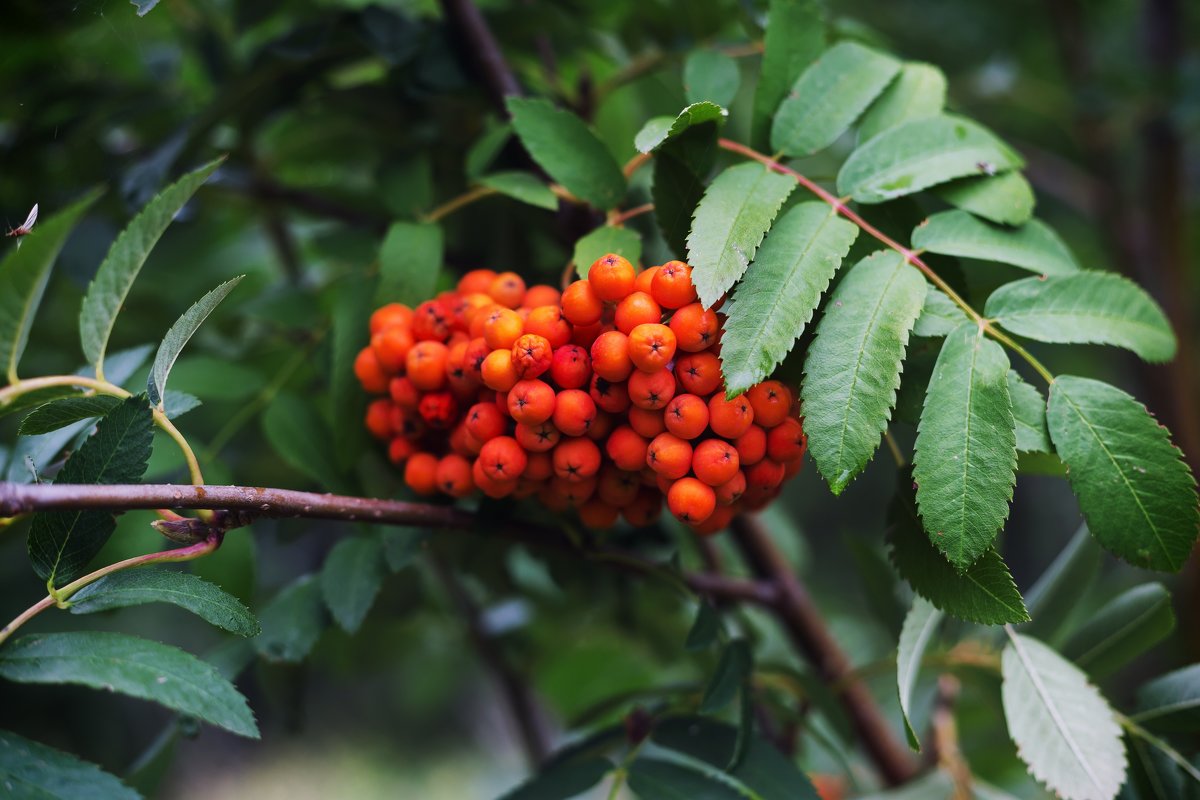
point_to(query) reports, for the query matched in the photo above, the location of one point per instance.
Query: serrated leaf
(921, 153)
(176, 404)
(1123, 629)
(1006, 198)
(853, 366)
(134, 587)
(108, 290)
(660, 129)
(966, 449)
(919, 90)
(351, 578)
(705, 630)
(292, 622)
(733, 669)
(522, 186)
(179, 335)
(33, 771)
(61, 543)
(1135, 491)
(1064, 729)
(563, 145)
(24, 272)
(776, 298)
(37, 397)
(984, 592)
(710, 75)
(795, 36)
(829, 96)
(939, 315)
(604, 240)
(409, 262)
(129, 665)
(562, 781)
(1171, 702)
(402, 545)
(301, 438)
(1055, 594)
(1029, 412)
(919, 626)
(66, 411)
(1033, 246)
(733, 216)
(681, 167)
(1085, 308)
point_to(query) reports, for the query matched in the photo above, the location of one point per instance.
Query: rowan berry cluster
(605, 398)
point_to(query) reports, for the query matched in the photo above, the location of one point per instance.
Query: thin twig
(484, 50)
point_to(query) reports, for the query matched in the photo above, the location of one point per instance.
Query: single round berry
(672, 285)
(503, 459)
(531, 401)
(691, 500)
(686, 416)
(715, 461)
(669, 456)
(729, 418)
(612, 276)
(581, 305)
(771, 401)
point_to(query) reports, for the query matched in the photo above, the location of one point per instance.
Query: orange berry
(597, 514)
(391, 346)
(732, 490)
(763, 477)
(454, 475)
(420, 473)
(715, 461)
(471, 307)
(503, 459)
(610, 356)
(431, 322)
(463, 443)
(771, 401)
(462, 381)
(485, 422)
(729, 418)
(672, 285)
(691, 501)
(539, 468)
(477, 350)
(717, 521)
(647, 422)
(651, 390)
(669, 456)
(786, 441)
(644, 509)
(369, 372)
(574, 412)
(552, 499)
(699, 373)
(581, 305)
(426, 365)
(696, 328)
(406, 423)
(626, 449)
(644, 280)
(538, 438)
(612, 277)
(399, 449)
(571, 367)
(479, 318)
(507, 289)
(542, 295)
(498, 371)
(616, 486)
(476, 281)
(493, 488)
(548, 322)
(379, 418)
(439, 410)
(637, 308)
(651, 346)
(584, 335)
(609, 396)
(686, 416)
(393, 314)
(502, 327)
(601, 426)
(531, 401)
(404, 393)
(576, 459)
(532, 355)
(751, 445)
(575, 493)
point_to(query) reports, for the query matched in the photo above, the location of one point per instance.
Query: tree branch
(466, 19)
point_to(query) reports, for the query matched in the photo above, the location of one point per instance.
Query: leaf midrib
(725, 240)
(1104, 641)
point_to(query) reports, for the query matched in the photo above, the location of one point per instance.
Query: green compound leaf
(710, 75)
(779, 293)
(1064, 729)
(852, 370)
(922, 153)
(1124, 628)
(918, 91)
(66, 411)
(179, 335)
(794, 38)
(939, 316)
(1085, 308)
(32, 771)
(409, 262)
(108, 290)
(919, 626)
(134, 587)
(730, 222)
(521, 186)
(829, 96)
(61, 543)
(563, 145)
(966, 449)
(24, 272)
(604, 240)
(129, 665)
(1006, 198)
(660, 129)
(1135, 490)
(1029, 411)
(1033, 246)
(351, 578)
(1171, 702)
(984, 592)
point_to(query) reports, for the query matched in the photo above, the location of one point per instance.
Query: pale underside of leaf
(179, 335)
(920, 624)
